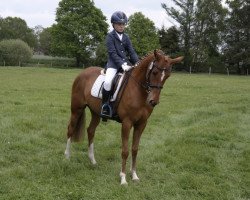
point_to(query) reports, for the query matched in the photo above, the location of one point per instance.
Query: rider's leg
(106, 93)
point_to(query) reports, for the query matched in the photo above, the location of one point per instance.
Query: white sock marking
(91, 154)
(134, 176)
(123, 178)
(67, 150)
(162, 75)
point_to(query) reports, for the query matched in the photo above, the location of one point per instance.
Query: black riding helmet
(119, 17)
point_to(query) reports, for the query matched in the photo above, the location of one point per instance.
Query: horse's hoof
(135, 177)
(124, 182)
(123, 179)
(67, 155)
(93, 162)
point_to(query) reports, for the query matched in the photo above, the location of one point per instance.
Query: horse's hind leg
(71, 126)
(75, 128)
(95, 120)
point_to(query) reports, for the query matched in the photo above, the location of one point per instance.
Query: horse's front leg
(138, 129)
(126, 126)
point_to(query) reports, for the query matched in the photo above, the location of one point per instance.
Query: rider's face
(119, 27)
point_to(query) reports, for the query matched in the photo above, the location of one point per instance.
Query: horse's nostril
(152, 103)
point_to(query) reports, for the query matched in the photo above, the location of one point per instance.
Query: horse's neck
(141, 70)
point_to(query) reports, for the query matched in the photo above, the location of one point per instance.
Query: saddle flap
(96, 90)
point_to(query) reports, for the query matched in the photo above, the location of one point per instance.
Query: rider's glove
(126, 67)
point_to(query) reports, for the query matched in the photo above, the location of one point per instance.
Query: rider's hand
(126, 67)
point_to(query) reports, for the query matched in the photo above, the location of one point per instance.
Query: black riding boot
(106, 111)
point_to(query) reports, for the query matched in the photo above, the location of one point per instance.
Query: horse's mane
(147, 56)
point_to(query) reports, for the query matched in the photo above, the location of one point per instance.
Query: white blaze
(162, 75)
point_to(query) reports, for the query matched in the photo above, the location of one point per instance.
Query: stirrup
(106, 111)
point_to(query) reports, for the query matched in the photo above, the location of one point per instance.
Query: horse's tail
(79, 130)
(76, 126)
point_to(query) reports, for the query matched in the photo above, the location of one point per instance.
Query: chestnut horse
(139, 97)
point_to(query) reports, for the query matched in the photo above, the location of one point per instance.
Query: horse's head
(157, 73)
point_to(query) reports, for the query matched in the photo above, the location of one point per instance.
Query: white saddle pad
(96, 90)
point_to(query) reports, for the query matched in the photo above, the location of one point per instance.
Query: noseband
(148, 85)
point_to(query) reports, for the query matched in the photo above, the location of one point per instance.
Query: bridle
(148, 86)
(151, 67)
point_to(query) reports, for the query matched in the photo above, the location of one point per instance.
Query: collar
(120, 35)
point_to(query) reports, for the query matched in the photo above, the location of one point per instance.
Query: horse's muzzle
(153, 103)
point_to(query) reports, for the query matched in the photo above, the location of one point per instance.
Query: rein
(145, 86)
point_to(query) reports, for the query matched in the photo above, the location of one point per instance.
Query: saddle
(118, 84)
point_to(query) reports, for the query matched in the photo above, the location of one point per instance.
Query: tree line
(209, 33)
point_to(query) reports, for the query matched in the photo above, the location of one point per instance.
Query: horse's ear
(177, 60)
(157, 56)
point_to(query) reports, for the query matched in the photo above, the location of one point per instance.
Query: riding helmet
(119, 17)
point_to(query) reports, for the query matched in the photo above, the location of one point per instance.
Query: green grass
(196, 144)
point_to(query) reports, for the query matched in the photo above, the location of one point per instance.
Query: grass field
(196, 144)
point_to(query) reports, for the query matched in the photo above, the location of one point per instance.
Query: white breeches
(110, 74)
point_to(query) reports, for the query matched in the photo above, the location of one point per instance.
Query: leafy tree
(79, 30)
(144, 38)
(169, 40)
(207, 29)
(14, 52)
(184, 15)
(37, 31)
(101, 54)
(237, 35)
(45, 40)
(16, 28)
(201, 24)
